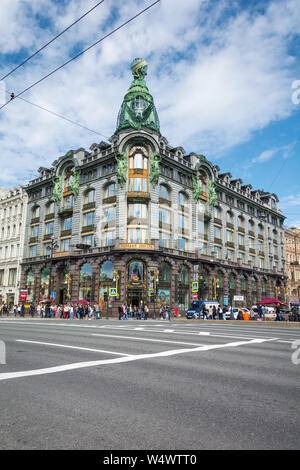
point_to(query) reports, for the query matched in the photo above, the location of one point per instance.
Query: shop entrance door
(135, 297)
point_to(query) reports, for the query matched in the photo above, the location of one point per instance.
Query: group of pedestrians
(136, 311)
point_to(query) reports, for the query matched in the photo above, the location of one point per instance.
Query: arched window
(45, 280)
(89, 196)
(183, 288)
(30, 283)
(136, 272)
(138, 169)
(232, 282)
(85, 282)
(68, 176)
(106, 279)
(164, 284)
(243, 283)
(183, 200)
(164, 192)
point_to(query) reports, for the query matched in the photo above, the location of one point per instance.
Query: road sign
(150, 292)
(225, 301)
(195, 296)
(113, 292)
(53, 295)
(238, 298)
(195, 286)
(23, 295)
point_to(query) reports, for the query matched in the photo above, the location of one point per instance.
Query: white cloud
(215, 78)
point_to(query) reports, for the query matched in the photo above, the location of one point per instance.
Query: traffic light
(105, 297)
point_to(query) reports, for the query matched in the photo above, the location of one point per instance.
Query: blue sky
(221, 74)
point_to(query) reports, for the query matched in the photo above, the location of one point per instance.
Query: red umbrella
(271, 301)
(47, 301)
(83, 301)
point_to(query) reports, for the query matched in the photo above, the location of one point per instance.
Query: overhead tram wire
(52, 40)
(81, 53)
(60, 116)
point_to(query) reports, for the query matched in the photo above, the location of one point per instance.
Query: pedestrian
(225, 310)
(39, 309)
(120, 312)
(277, 311)
(161, 313)
(205, 312)
(146, 312)
(15, 310)
(246, 315)
(22, 312)
(220, 312)
(125, 312)
(259, 311)
(214, 312)
(176, 312)
(31, 310)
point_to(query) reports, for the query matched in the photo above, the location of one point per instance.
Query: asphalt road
(148, 385)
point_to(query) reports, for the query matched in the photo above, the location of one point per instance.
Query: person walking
(277, 311)
(120, 312)
(176, 312)
(22, 312)
(31, 310)
(225, 310)
(39, 309)
(146, 312)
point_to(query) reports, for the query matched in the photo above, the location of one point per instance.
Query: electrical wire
(58, 115)
(52, 40)
(81, 53)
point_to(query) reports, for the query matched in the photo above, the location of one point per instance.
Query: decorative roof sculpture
(138, 107)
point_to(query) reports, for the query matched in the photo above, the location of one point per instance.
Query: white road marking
(146, 339)
(119, 360)
(71, 347)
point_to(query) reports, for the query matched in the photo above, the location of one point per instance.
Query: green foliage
(57, 189)
(122, 169)
(197, 189)
(154, 168)
(75, 184)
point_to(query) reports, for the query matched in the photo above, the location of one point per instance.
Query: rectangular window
(218, 251)
(203, 248)
(12, 277)
(230, 255)
(34, 232)
(218, 232)
(67, 223)
(110, 214)
(32, 251)
(242, 257)
(65, 244)
(88, 218)
(1, 277)
(165, 239)
(49, 228)
(88, 240)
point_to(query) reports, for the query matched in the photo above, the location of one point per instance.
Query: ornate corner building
(146, 219)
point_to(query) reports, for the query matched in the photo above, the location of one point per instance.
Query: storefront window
(45, 279)
(85, 284)
(30, 282)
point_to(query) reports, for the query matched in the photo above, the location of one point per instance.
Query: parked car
(235, 312)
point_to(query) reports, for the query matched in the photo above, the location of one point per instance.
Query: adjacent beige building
(292, 250)
(13, 206)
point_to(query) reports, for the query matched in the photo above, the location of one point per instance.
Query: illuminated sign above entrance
(135, 246)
